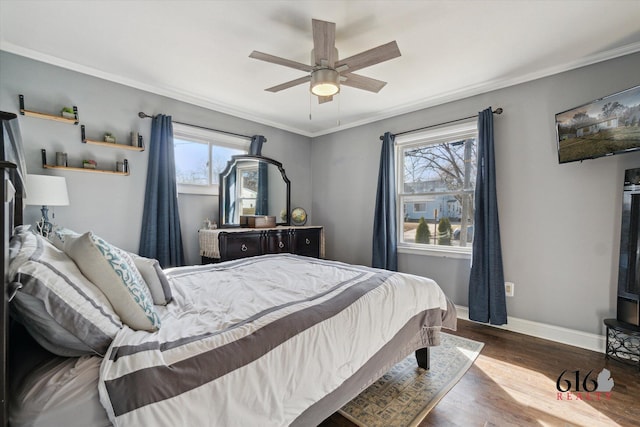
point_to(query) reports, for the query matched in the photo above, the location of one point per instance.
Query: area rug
(404, 396)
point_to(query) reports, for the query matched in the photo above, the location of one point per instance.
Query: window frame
(448, 133)
(211, 138)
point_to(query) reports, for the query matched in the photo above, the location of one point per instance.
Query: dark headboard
(11, 215)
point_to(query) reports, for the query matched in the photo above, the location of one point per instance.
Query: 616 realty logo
(573, 385)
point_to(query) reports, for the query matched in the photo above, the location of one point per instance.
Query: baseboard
(549, 332)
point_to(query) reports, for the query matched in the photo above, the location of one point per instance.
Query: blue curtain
(161, 237)
(230, 200)
(262, 198)
(385, 239)
(486, 284)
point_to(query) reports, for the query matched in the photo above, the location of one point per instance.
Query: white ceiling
(198, 51)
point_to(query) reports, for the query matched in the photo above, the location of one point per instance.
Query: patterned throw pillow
(114, 272)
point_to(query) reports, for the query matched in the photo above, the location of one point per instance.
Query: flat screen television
(603, 127)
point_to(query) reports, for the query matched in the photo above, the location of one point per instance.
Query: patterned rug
(405, 395)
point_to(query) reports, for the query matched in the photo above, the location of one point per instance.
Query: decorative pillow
(113, 271)
(154, 277)
(59, 234)
(66, 313)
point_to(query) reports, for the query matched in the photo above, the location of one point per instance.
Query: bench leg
(422, 356)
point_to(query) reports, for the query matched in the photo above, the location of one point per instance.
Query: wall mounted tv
(603, 127)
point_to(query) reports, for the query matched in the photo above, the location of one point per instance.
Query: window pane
(440, 167)
(191, 162)
(437, 193)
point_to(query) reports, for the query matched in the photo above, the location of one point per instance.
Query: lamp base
(44, 227)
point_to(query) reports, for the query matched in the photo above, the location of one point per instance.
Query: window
(436, 173)
(201, 155)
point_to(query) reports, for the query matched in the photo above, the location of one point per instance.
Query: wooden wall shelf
(69, 168)
(112, 145)
(43, 152)
(48, 116)
(86, 140)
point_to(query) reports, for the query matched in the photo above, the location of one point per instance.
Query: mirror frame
(222, 187)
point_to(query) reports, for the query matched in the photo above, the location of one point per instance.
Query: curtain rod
(147, 116)
(498, 110)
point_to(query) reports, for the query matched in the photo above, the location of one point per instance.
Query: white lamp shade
(46, 190)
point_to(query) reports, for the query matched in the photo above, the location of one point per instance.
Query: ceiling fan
(327, 72)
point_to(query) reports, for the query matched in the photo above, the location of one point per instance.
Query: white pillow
(113, 271)
(66, 313)
(154, 277)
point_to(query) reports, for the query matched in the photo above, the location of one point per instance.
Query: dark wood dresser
(234, 243)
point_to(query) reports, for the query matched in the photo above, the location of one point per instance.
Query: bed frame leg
(422, 356)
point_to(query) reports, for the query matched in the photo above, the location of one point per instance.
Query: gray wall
(560, 224)
(112, 206)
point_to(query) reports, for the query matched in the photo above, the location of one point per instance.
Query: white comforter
(255, 342)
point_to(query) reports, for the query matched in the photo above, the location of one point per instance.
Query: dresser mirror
(253, 185)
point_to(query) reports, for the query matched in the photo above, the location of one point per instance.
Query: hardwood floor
(513, 383)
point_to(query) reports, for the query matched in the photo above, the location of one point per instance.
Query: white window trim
(429, 137)
(207, 136)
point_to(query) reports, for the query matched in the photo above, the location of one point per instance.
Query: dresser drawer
(240, 245)
(307, 242)
(278, 241)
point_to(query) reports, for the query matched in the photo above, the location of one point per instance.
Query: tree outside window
(436, 181)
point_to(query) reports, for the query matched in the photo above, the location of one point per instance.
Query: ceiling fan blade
(362, 82)
(324, 40)
(289, 84)
(323, 99)
(280, 61)
(370, 57)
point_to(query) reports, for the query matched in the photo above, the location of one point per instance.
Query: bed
(272, 340)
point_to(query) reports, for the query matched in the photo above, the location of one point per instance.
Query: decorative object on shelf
(46, 190)
(298, 216)
(283, 215)
(61, 159)
(108, 137)
(89, 164)
(206, 224)
(120, 167)
(68, 113)
(72, 119)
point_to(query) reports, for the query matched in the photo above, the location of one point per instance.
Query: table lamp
(46, 190)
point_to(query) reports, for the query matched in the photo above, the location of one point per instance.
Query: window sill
(435, 251)
(204, 190)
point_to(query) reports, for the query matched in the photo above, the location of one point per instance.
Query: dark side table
(623, 342)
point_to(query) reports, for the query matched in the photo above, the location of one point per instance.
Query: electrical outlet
(508, 288)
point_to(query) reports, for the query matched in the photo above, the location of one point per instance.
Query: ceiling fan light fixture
(325, 82)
